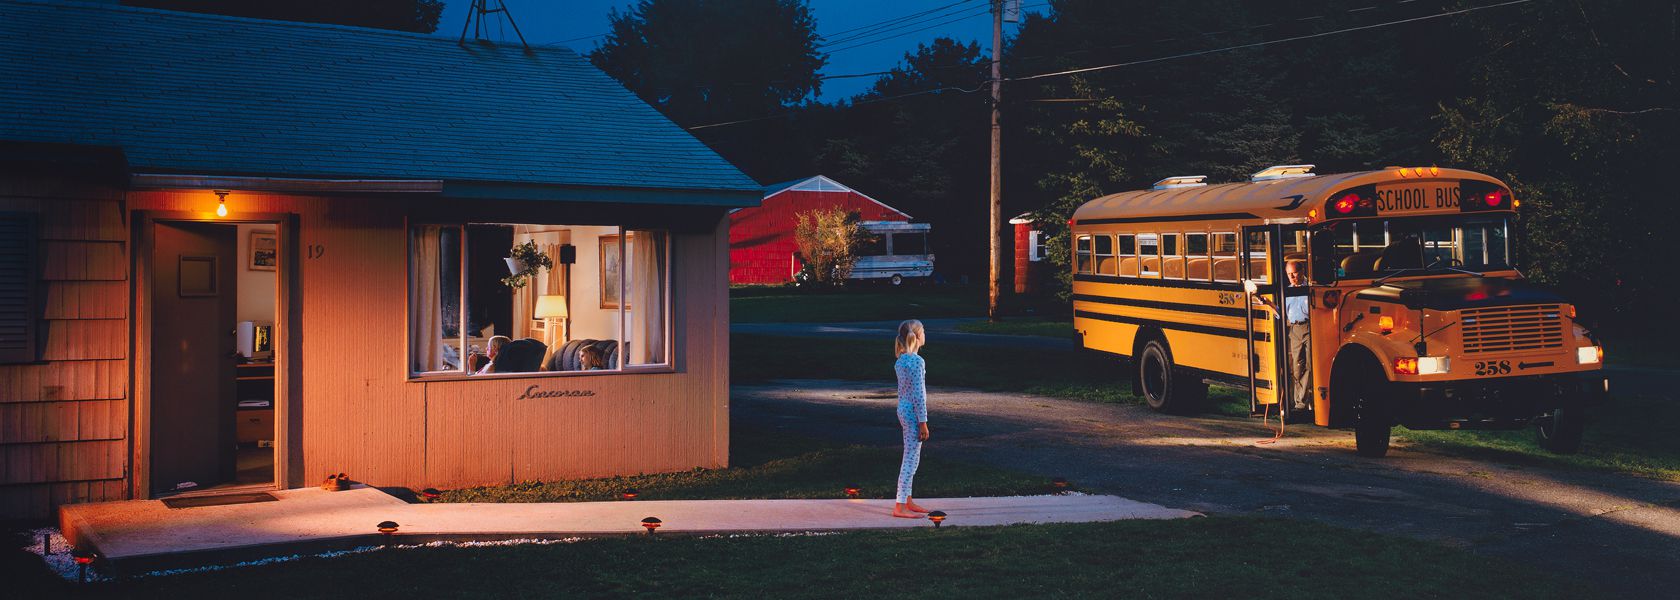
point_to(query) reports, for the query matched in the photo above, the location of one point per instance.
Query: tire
(1162, 385)
(897, 280)
(1560, 432)
(1373, 424)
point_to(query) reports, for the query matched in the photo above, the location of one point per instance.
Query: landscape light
(83, 559)
(629, 494)
(1060, 483)
(430, 494)
(651, 523)
(852, 491)
(937, 517)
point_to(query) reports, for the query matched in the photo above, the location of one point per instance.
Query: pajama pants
(912, 456)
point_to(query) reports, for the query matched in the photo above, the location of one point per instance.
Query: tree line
(1574, 103)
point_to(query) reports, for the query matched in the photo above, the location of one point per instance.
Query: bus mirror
(1249, 286)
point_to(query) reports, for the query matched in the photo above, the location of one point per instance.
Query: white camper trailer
(896, 251)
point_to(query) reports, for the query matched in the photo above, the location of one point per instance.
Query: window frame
(1083, 264)
(1097, 255)
(1120, 243)
(622, 368)
(1214, 255)
(1207, 253)
(1035, 246)
(1178, 253)
(1142, 272)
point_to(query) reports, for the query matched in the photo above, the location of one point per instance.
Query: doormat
(197, 501)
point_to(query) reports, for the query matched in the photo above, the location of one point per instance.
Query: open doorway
(212, 293)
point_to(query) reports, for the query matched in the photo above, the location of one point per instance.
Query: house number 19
(316, 250)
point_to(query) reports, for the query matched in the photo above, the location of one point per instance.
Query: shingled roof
(183, 93)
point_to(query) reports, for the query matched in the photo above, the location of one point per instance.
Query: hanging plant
(524, 262)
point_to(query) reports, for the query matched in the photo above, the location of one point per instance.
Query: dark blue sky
(557, 21)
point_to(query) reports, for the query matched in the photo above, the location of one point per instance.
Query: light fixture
(221, 203)
(1060, 483)
(551, 309)
(387, 528)
(83, 559)
(853, 490)
(937, 517)
(629, 494)
(651, 523)
(430, 494)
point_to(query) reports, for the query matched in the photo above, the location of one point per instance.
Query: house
(1029, 264)
(762, 249)
(246, 254)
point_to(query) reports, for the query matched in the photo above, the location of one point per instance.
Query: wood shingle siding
(64, 418)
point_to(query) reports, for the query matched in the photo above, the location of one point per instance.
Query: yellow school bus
(1406, 310)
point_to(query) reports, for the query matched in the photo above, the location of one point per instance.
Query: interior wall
(257, 289)
(588, 319)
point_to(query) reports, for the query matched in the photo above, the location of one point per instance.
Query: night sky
(563, 21)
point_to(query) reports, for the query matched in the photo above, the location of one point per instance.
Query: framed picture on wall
(610, 268)
(265, 251)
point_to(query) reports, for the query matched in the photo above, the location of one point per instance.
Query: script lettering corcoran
(534, 393)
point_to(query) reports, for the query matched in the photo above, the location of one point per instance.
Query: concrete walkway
(139, 536)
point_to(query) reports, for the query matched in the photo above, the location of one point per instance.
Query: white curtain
(647, 297)
(424, 294)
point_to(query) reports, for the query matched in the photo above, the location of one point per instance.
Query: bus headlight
(1433, 365)
(1589, 355)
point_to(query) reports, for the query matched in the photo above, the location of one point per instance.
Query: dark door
(193, 311)
(1268, 372)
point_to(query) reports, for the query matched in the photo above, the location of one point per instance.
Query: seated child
(493, 348)
(591, 359)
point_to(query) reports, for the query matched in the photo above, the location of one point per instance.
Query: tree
(829, 240)
(418, 16)
(706, 61)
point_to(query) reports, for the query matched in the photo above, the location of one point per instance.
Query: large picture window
(603, 305)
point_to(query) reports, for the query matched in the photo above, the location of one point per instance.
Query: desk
(253, 383)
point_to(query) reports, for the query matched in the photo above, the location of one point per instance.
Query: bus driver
(1295, 317)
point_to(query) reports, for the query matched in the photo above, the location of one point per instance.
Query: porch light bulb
(221, 203)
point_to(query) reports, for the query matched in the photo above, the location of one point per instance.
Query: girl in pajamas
(912, 410)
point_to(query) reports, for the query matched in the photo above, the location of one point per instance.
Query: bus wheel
(1560, 432)
(897, 280)
(1162, 386)
(1373, 424)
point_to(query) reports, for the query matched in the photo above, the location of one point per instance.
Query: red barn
(761, 245)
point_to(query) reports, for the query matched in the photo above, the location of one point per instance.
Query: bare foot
(905, 514)
(915, 507)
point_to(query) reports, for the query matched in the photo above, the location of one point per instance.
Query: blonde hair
(910, 337)
(495, 344)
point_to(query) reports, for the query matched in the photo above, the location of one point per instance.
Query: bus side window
(1149, 255)
(1196, 267)
(1324, 264)
(1103, 249)
(1082, 254)
(1259, 263)
(1225, 257)
(1172, 263)
(1128, 255)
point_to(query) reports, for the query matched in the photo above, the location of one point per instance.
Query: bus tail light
(1494, 198)
(1589, 355)
(1347, 203)
(1386, 324)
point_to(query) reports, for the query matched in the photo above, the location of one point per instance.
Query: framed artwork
(611, 265)
(265, 251)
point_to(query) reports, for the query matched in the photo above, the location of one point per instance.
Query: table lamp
(552, 309)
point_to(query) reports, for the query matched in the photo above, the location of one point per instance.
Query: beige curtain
(425, 340)
(647, 297)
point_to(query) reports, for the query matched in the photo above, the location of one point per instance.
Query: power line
(841, 36)
(1266, 43)
(941, 13)
(1136, 62)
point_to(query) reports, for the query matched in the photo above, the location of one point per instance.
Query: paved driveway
(1623, 533)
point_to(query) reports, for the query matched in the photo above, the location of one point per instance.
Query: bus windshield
(1376, 247)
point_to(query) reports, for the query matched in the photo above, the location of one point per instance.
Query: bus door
(1260, 262)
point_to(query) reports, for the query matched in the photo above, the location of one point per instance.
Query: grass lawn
(1039, 326)
(1058, 373)
(767, 464)
(862, 303)
(1190, 558)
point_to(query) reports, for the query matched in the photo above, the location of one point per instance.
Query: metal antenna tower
(476, 16)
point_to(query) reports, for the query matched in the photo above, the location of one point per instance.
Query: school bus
(1407, 302)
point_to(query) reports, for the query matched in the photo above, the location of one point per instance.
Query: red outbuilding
(761, 244)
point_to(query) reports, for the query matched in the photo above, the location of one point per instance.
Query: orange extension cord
(1264, 416)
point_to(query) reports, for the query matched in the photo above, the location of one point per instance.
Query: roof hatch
(1283, 172)
(1180, 181)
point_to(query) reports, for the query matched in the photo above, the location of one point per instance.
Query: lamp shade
(550, 307)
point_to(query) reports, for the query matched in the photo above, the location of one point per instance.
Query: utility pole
(993, 229)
